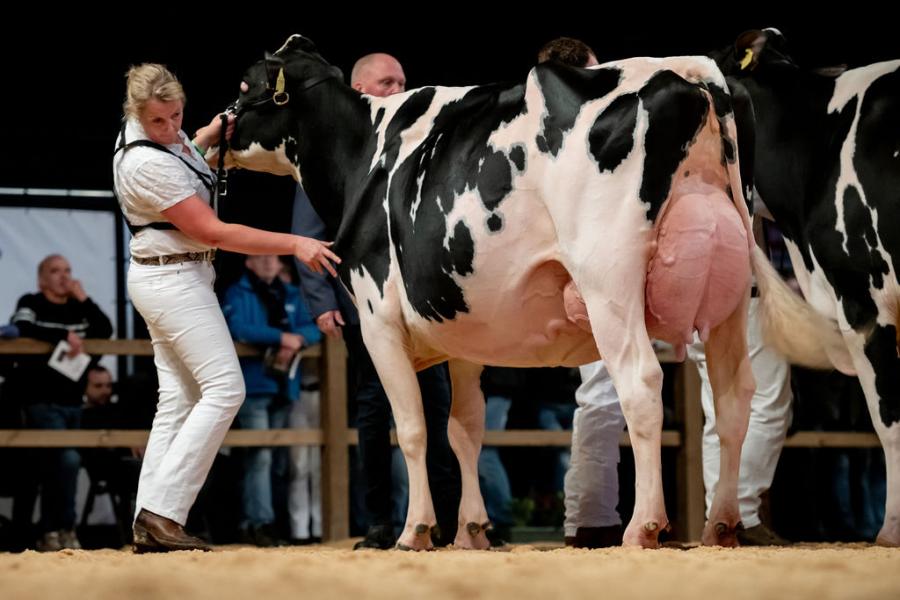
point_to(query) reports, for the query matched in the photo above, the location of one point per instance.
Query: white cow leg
(466, 432)
(629, 357)
(386, 347)
(641, 398)
(731, 378)
(889, 436)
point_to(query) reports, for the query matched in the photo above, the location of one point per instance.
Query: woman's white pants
(200, 382)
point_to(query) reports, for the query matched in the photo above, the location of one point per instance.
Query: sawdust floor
(521, 573)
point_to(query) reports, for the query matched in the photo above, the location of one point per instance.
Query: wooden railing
(336, 438)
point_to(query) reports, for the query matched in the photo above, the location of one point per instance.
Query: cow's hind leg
(618, 326)
(466, 431)
(386, 346)
(878, 367)
(732, 382)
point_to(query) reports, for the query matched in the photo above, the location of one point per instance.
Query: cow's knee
(412, 439)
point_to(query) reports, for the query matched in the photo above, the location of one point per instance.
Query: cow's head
(274, 93)
(755, 50)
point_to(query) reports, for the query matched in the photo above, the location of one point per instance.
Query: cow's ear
(747, 48)
(297, 42)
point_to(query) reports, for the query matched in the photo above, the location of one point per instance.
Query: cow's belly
(515, 297)
(520, 321)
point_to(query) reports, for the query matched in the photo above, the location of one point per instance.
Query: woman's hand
(208, 136)
(316, 254)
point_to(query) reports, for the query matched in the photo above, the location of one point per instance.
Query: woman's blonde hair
(150, 81)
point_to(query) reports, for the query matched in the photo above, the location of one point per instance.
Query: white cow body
(469, 219)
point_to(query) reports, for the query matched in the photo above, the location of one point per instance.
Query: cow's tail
(793, 327)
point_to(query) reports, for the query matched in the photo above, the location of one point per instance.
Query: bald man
(381, 75)
(378, 74)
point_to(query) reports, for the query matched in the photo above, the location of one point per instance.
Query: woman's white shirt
(148, 181)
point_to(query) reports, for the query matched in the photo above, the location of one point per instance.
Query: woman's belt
(171, 259)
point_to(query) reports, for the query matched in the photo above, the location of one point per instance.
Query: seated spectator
(118, 469)
(60, 311)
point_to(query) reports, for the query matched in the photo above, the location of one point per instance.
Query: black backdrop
(63, 80)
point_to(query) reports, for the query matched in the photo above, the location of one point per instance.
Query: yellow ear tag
(748, 58)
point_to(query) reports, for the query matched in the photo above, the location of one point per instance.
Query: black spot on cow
(517, 156)
(877, 156)
(292, 150)
(363, 227)
(565, 91)
(494, 179)
(745, 123)
(881, 350)
(412, 109)
(460, 129)
(612, 135)
(379, 117)
(369, 304)
(676, 112)
(862, 264)
(462, 251)
(721, 99)
(861, 239)
(843, 269)
(494, 222)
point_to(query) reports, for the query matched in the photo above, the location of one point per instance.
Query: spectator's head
(155, 97)
(378, 74)
(266, 267)
(568, 51)
(54, 275)
(98, 389)
(286, 274)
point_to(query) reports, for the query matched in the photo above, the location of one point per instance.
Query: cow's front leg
(466, 430)
(731, 378)
(880, 381)
(618, 327)
(386, 345)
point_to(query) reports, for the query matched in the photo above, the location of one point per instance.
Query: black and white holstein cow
(526, 225)
(827, 167)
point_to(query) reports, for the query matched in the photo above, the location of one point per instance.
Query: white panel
(85, 237)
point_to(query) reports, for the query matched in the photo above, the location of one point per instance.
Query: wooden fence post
(335, 454)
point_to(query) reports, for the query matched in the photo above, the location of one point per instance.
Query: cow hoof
(722, 534)
(644, 536)
(474, 528)
(404, 548)
(473, 536)
(419, 540)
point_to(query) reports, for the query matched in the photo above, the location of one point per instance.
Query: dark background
(64, 80)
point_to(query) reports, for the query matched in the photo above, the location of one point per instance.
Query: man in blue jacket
(263, 310)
